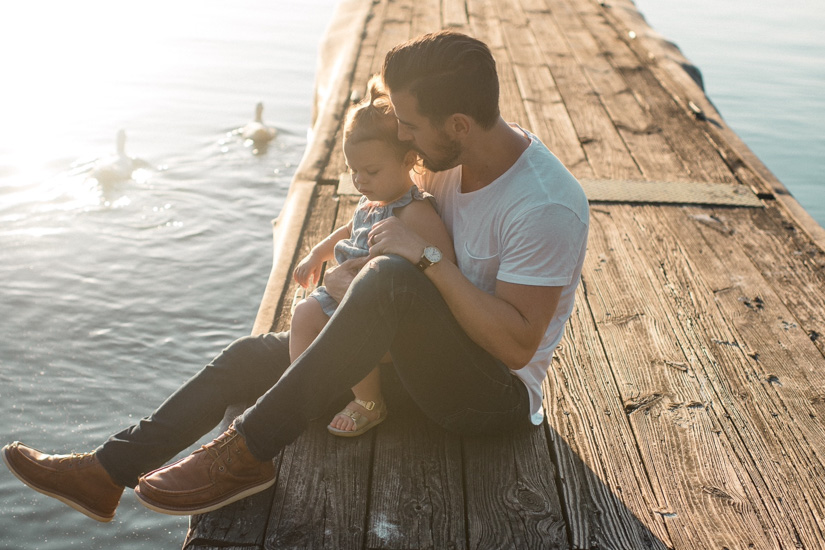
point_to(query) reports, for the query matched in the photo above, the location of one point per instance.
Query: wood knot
(642, 402)
(529, 499)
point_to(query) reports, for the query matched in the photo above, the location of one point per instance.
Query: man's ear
(458, 124)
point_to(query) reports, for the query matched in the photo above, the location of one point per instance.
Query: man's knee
(391, 275)
(389, 266)
(255, 352)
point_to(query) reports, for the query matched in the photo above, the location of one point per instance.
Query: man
(470, 343)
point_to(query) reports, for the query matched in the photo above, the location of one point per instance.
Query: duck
(118, 167)
(256, 131)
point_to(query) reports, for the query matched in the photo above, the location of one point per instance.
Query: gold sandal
(362, 423)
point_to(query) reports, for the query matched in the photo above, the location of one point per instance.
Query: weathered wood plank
(669, 65)
(396, 29)
(416, 497)
(336, 163)
(686, 93)
(426, 17)
(764, 372)
(641, 134)
(606, 153)
(792, 265)
(320, 498)
(485, 26)
(338, 57)
(678, 126)
(340, 214)
(333, 490)
(454, 15)
(608, 499)
(738, 384)
(242, 523)
(346, 208)
(529, 92)
(518, 506)
(712, 502)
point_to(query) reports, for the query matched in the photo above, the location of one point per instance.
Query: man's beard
(449, 151)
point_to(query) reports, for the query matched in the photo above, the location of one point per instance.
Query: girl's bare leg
(308, 320)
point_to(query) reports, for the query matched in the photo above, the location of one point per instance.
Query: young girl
(380, 165)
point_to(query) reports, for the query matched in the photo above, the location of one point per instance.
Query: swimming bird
(118, 167)
(256, 131)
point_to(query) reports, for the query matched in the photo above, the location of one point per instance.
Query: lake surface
(113, 294)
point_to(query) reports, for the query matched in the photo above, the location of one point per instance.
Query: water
(114, 294)
(763, 65)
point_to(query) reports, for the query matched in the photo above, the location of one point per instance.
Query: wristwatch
(431, 255)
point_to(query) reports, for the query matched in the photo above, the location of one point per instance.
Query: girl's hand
(392, 236)
(338, 279)
(308, 271)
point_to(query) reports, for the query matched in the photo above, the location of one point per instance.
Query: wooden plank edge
(286, 236)
(350, 16)
(672, 61)
(346, 30)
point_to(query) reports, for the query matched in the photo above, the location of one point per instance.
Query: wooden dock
(686, 403)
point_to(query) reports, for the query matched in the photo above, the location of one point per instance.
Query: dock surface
(686, 402)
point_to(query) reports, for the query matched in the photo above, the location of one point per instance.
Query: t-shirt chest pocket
(479, 262)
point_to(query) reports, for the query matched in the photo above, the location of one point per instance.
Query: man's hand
(338, 279)
(393, 236)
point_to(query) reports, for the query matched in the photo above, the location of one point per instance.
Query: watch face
(432, 254)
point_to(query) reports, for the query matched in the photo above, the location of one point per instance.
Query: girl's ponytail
(373, 118)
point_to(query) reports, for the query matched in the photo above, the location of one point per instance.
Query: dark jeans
(391, 306)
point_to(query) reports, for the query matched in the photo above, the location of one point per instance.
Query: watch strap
(423, 263)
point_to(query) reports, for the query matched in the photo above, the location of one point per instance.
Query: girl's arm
(308, 270)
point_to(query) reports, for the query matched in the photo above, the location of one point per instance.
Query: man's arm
(419, 216)
(509, 324)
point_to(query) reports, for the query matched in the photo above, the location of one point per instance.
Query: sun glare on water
(73, 74)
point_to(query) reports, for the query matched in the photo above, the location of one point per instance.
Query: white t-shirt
(527, 227)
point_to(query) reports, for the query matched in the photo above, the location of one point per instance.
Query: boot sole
(64, 499)
(206, 507)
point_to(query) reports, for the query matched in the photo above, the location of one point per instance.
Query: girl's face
(376, 171)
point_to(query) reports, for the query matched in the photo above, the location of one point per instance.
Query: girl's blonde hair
(373, 118)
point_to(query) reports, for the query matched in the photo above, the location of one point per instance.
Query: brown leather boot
(78, 480)
(217, 474)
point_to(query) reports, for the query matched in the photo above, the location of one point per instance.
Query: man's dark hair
(447, 72)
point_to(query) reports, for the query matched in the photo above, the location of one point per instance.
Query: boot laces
(215, 448)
